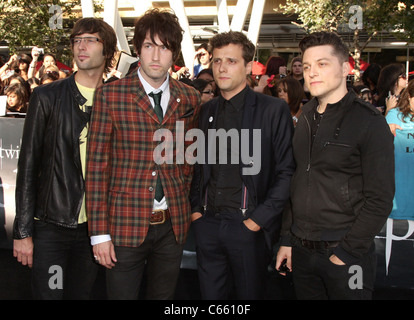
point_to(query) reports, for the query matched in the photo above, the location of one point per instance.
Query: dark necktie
(159, 192)
(157, 104)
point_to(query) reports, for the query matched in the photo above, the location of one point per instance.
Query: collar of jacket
(80, 99)
(249, 107)
(345, 102)
(143, 101)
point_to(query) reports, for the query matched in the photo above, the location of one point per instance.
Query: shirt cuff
(99, 239)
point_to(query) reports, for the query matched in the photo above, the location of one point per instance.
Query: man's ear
(346, 68)
(249, 67)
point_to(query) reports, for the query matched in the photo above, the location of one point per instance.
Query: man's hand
(195, 216)
(284, 253)
(23, 251)
(104, 254)
(251, 225)
(335, 260)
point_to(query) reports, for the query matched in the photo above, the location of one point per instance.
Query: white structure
(112, 17)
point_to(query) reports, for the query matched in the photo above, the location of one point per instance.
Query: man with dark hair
(101, 29)
(50, 228)
(138, 206)
(202, 60)
(237, 206)
(342, 190)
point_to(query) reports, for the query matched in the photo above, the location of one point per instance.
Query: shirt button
(154, 173)
(151, 189)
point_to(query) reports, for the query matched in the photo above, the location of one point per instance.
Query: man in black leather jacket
(342, 190)
(50, 229)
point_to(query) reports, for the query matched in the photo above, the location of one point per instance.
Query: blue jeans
(316, 277)
(63, 263)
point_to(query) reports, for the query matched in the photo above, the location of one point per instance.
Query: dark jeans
(231, 258)
(63, 264)
(316, 277)
(159, 253)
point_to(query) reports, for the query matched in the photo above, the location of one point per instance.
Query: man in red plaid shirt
(138, 209)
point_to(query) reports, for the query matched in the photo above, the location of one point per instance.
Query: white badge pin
(210, 119)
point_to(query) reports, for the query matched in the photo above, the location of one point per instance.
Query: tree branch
(373, 34)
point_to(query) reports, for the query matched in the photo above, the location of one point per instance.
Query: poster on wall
(10, 140)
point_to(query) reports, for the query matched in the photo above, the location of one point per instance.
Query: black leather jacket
(50, 184)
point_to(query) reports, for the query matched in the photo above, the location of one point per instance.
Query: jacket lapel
(174, 102)
(210, 122)
(249, 116)
(141, 99)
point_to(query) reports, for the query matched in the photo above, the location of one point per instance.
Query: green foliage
(29, 23)
(316, 15)
(403, 20)
(393, 16)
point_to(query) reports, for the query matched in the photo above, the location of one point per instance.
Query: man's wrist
(100, 238)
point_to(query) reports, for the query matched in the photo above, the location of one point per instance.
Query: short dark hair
(326, 38)
(234, 37)
(165, 25)
(106, 34)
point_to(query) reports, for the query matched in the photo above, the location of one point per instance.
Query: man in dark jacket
(50, 229)
(343, 187)
(238, 207)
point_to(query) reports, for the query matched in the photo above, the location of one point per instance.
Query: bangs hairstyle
(163, 24)
(326, 38)
(106, 34)
(234, 37)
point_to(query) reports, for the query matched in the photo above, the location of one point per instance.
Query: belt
(159, 216)
(310, 244)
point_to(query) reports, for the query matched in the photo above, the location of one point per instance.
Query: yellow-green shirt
(88, 94)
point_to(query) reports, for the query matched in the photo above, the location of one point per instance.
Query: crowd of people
(22, 73)
(380, 86)
(91, 191)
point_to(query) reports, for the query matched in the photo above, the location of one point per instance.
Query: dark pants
(159, 253)
(230, 257)
(63, 264)
(316, 277)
